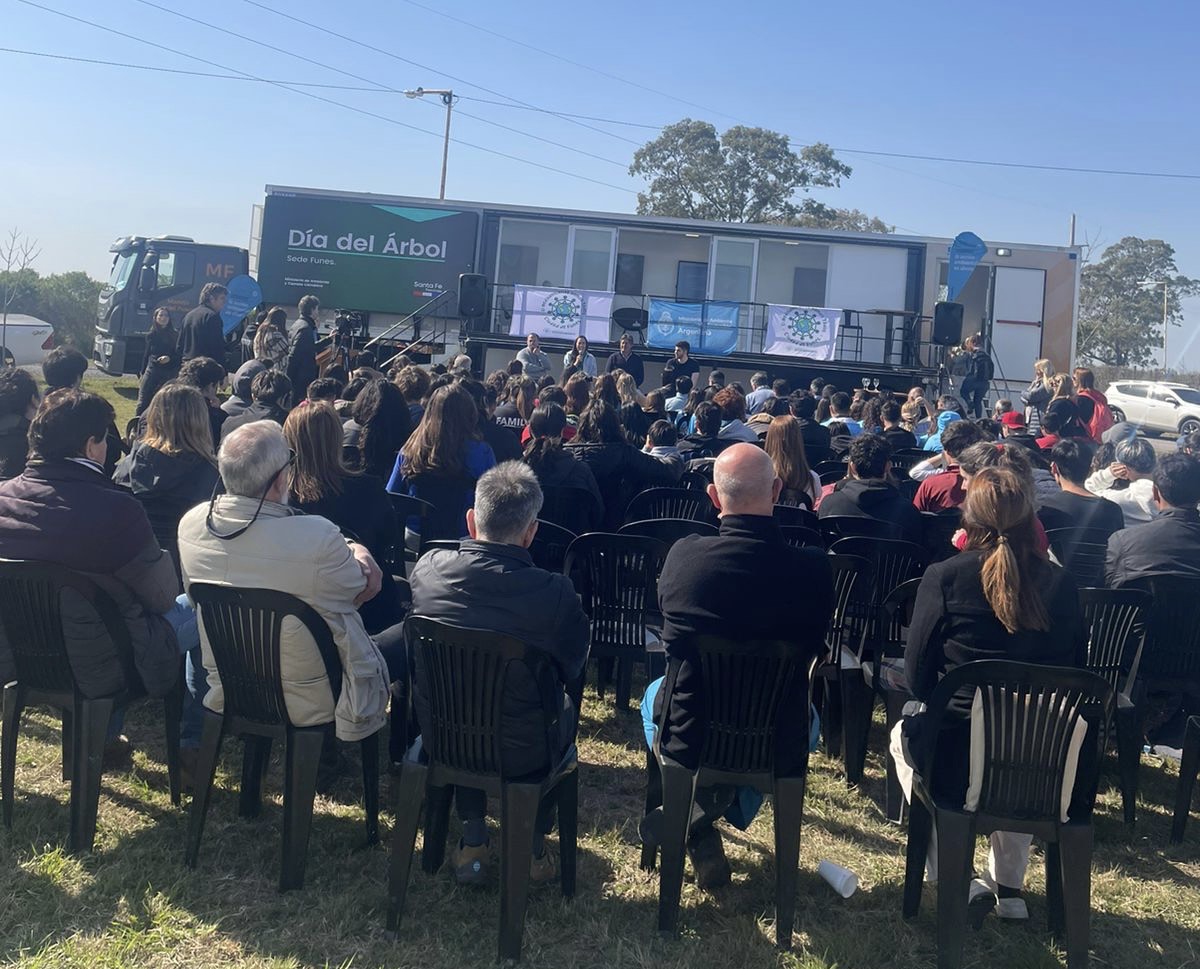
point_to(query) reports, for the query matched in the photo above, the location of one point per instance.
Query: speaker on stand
(947, 332)
(472, 295)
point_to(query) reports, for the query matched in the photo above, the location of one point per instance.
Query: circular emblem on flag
(563, 311)
(802, 326)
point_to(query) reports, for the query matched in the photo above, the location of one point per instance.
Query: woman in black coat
(620, 469)
(572, 498)
(356, 503)
(160, 362)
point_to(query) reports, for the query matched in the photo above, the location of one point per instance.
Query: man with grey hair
(249, 538)
(745, 583)
(490, 582)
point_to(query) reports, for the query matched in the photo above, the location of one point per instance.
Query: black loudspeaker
(472, 296)
(947, 324)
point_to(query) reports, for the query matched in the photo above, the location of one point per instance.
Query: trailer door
(1018, 301)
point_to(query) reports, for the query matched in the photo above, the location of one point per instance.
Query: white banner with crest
(561, 314)
(802, 331)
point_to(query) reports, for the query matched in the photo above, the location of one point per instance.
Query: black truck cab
(166, 271)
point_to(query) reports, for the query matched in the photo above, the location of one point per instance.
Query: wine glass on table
(875, 383)
(866, 382)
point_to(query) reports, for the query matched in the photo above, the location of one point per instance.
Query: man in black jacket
(491, 583)
(706, 586)
(1170, 544)
(272, 394)
(804, 409)
(202, 333)
(302, 344)
(867, 491)
(626, 359)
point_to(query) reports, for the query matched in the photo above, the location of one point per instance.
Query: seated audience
(784, 445)
(63, 510)
(206, 375)
(576, 389)
(535, 362)
(1128, 481)
(839, 412)
(604, 388)
(250, 538)
(378, 427)
(704, 589)
(504, 444)
(1013, 430)
(706, 442)
(323, 390)
(760, 423)
(556, 469)
(1000, 408)
(414, 384)
(1074, 506)
(1169, 545)
(898, 437)
(63, 369)
(520, 396)
(19, 399)
(944, 490)
(632, 412)
(662, 442)
(490, 582)
(934, 442)
(1052, 430)
(867, 490)
(271, 392)
(356, 503)
(804, 409)
(620, 469)
(683, 387)
(760, 393)
(242, 395)
(997, 599)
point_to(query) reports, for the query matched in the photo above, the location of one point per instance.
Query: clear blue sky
(95, 152)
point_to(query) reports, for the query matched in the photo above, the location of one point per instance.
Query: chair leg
(831, 718)
(1075, 849)
(624, 683)
(679, 790)
(369, 751)
(91, 727)
(8, 747)
(568, 832)
(1055, 915)
(1189, 767)
(68, 746)
(653, 800)
(206, 768)
(172, 715)
(518, 814)
(920, 833)
(301, 760)
(894, 803)
(789, 815)
(1129, 756)
(404, 837)
(857, 704)
(256, 754)
(437, 826)
(956, 848)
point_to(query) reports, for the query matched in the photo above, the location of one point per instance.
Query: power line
(1029, 165)
(424, 67)
(316, 97)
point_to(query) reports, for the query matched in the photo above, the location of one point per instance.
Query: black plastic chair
(800, 536)
(447, 495)
(939, 528)
(908, 488)
(1189, 769)
(670, 503)
(786, 515)
(575, 509)
(816, 454)
(1171, 662)
(1117, 622)
(616, 577)
(836, 527)
(464, 672)
(164, 515)
(832, 475)
(893, 563)
(1069, 536)
(1029, 715)
(668, 530)
(905, 459)
(407, 508)
(549, 547)
(695, 481)
(31, 595)
(243, 628)
(852, 580)
(745, 683)
(1084, 560)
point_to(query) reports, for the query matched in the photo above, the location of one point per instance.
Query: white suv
(1156, 407)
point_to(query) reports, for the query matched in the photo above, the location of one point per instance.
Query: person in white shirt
(1133, 461)
(535, 362)
(683, 387)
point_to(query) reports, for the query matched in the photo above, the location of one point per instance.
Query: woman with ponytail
(999, 598)
(555, 469)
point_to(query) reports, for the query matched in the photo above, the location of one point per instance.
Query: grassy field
(121, 392)
(133, 903)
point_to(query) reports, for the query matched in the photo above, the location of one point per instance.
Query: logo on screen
(803, 326)
(563, 311)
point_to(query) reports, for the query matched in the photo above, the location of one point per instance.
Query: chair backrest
(243, 628)
(408, 507)
(616, 577)
(164, 515)
(905, 459)
(939, 528)
(463, 673)
(668, 530)
(894, 617)
(670, 503)
(852, 580)
(1029, 717)
(1117, 620)
(446, 495)
(1084, 560)
(795, 515)
(908, 487)
(817, 453)
(550, 544)
(893, 562)
(1173, 647)
(31, 614)
(695, 481)
(744, 683)
(800, 536)
(833, 474)
(1069, 536)
(836, 527)
(575, 509)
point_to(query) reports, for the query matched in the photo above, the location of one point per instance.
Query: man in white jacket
(249, 538)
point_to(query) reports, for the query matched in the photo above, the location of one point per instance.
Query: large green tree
(67, 300)
(1121, 318)
(743, 175)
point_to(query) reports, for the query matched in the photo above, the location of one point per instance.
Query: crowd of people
(284, 484)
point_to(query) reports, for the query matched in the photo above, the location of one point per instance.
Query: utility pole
(447, 97)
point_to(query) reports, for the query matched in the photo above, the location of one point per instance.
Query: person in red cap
(1014, 430)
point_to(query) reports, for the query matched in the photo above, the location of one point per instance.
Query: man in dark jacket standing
(63, 510)
(1170, 544)
(202, 333)
(491, 583)
(866, 492)
(302, 344)
(704, 589)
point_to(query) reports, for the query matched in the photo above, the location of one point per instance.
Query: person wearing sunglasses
(251, 538)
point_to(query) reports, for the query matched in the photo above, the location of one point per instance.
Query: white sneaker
(1012, 908)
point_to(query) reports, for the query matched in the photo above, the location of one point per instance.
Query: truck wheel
(1118, 415)
(1189, 425)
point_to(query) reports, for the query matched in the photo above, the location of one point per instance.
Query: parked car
(25, 341)
(1159, 408)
